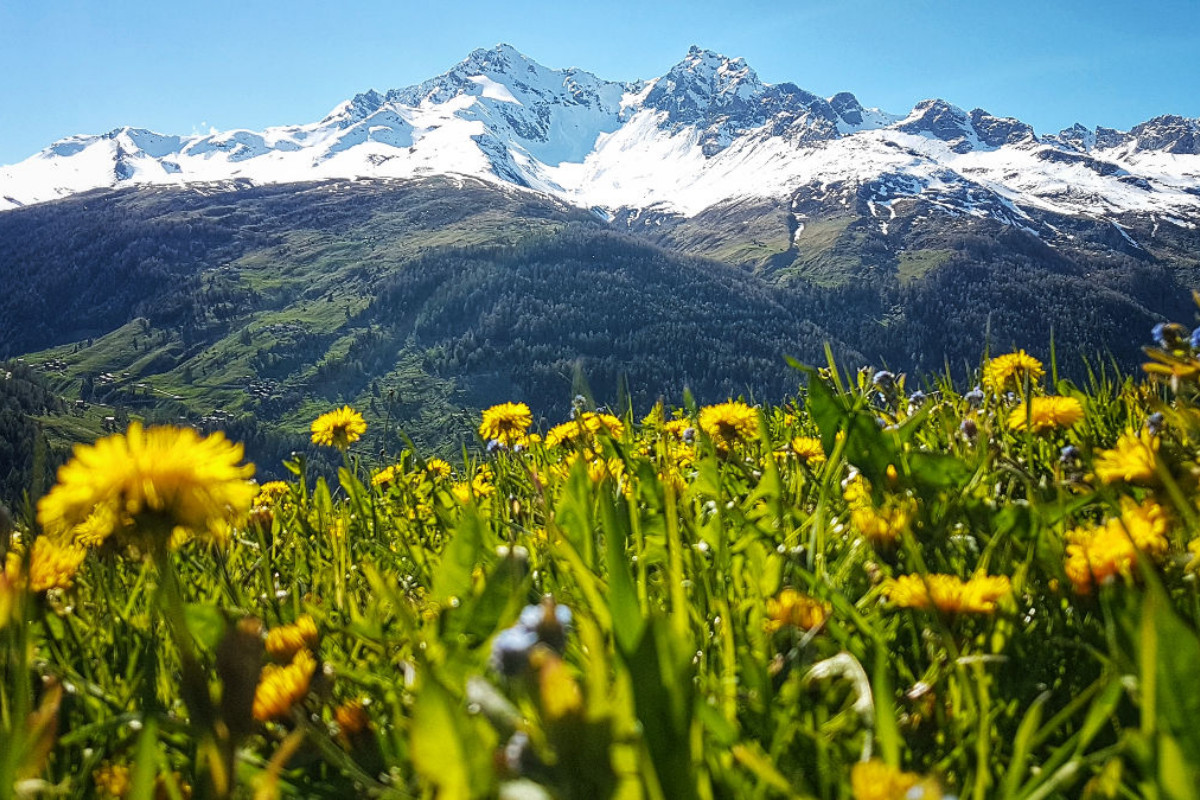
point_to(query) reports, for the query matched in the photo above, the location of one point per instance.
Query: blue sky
(88, 66)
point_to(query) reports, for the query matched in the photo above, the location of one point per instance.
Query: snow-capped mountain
(708, 132)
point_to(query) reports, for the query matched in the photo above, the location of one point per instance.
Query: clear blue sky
(88, 66)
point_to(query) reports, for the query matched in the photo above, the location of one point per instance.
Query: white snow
(499, 116)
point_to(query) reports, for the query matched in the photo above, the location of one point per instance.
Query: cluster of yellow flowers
(791, 608)
(882, 525)
(1100, 554)
(948, 594)
(284, 684)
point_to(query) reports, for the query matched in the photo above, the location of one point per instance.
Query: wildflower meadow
(883, 588)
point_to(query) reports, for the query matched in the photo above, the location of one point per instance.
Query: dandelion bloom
(95, 529)
(875, 780)
(1131, 461)
(112, 780)
(384, 477)
(352, 719)
(271, 492)
(51, 565)
(564, 433)
(881, 525)
(595, 423)
(1046, 413)
(1147, 524)
(676, 427)
(506, 423)
(795, 609)
(948, 593)
(587, 426)
(158, 480)
(808, 450)
(339, 428)
(281, 687)
(285, 641)
(1011, 370)
(729, 423)
(438, 468)
(8, 599)
(1098, 555)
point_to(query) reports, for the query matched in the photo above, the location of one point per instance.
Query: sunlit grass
(868, 591)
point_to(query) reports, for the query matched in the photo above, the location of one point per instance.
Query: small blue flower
(1159, 333)
(1069, 454)
(883, 379)
(1195, 340)
(1154, 423)
(917, 399)
(494, 446)
(974, 397)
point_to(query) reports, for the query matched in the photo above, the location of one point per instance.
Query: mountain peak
(705, 86)
(499, 59)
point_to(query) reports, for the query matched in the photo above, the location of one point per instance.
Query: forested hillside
(250, 308)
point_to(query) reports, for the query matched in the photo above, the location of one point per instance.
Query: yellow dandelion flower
(150, 481)
(1147, 524)
(480, 486)
(384, 477)
(1010, 371)
(875, 780)
(352, 720)
(607, 423)
(808, 450)
(351, 717)
(676, 427)
(797, 610)
(882, 525)
(95, 529)
(948, 594)
(564, 433)
(112, 781)
(506, 423)
(438, 468)
(1131, 461)
(1046, 413)
(271, 493)
(729, 423)
(281, 687)
(1100, 554)
(8, 599)
(51, 566)
(285, 641)
(339, 428)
